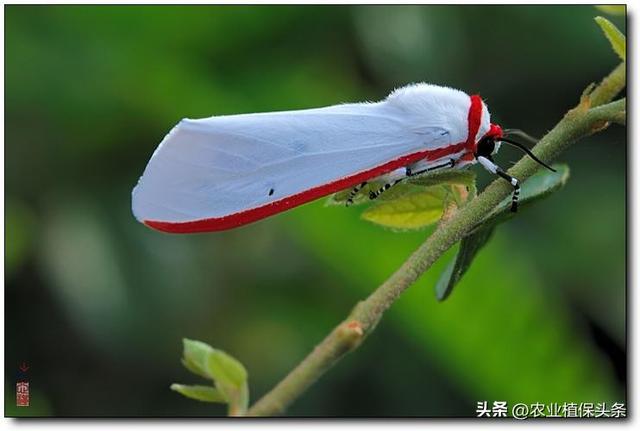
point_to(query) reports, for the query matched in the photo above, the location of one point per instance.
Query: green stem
(578, 123)
(610, 86)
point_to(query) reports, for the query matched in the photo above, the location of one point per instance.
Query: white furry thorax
(432, 105)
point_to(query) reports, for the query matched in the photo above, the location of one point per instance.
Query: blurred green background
(97, 304)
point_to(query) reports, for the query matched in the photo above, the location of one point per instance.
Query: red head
(494, 132)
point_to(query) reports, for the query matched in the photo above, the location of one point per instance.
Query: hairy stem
(585, 119)
(610, 86)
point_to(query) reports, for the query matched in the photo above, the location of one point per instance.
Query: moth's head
(489, 144)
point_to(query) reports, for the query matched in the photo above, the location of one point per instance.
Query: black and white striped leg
(354, 192)
(450, 164)
(375, 194)
(409, 173)
(488, 164)
(516, 188)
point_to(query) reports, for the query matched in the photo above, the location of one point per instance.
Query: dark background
(97, 304)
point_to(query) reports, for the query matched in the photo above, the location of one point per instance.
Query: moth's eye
(486, 146)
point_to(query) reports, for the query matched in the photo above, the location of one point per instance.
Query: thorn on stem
(351, 333)
(356, 327)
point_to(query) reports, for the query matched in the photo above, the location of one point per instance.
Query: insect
(222, 172)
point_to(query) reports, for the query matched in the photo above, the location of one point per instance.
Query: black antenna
(517, 132)
(526, 150)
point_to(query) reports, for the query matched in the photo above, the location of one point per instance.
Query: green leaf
(537, 187)
(616, 38)
(612, 9)
(199, 392)
(466, 178)
(422, 200)
(194, 368)
(231, 379)
(225, 369)
(414, 210)
(227, 373)
(195, 355)
(469, 247)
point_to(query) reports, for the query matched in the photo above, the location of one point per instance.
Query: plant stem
(610, 86)
(587, 118)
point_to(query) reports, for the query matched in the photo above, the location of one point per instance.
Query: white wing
(219, 166)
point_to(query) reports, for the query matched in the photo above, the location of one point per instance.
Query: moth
(222, 172)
